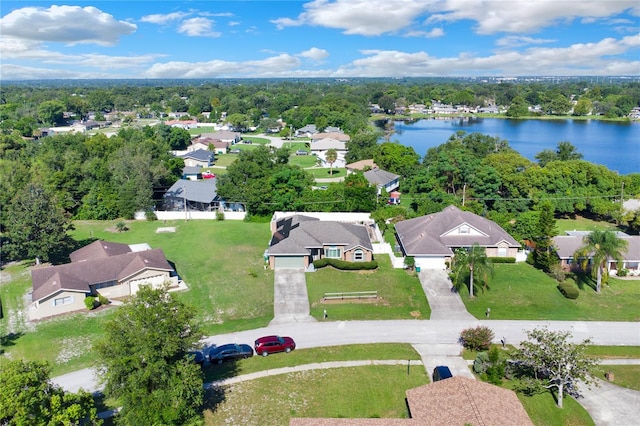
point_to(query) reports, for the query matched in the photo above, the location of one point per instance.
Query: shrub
(121, 226)
(478, 338)
(219, 215)
(623, 272)
(150, 215)
(569, 291)
(502, 259)
(558, 273)
(410, 262)
(103, 300)
(344, 265)
(90, 302)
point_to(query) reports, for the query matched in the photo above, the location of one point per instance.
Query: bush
(219, 215)
(569, 291)
(344, 265)
(90, 302)
(103, 300)
(410, 262)
(150, 215)
(623, 272)
(558, 273)
(121, 226)
(478, 338)
(502, 259)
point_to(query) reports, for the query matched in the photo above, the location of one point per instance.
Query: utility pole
(290, 135)
(622, 194)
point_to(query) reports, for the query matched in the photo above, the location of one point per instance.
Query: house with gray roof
(191, 195)
(382, 180)
(307, 131)
(343, 137)
(432, 239)
(198, 158)
(192, 173)
(566, 245)
(110, 269)
(321, 147)
(298, 240)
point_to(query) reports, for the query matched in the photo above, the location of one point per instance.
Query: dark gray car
(229, 352)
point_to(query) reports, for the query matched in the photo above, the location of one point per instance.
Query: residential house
(321, 147)
(182, 124)
(189, 195)
(456, 401)
(566, 245)
(307, 131)
(198, 158)
(432, 239)
(342, 137)
(361, 165)
(192, 172)
(225, 136)
(298, 240)
(382, 180)
(110, 269)
(209, 144)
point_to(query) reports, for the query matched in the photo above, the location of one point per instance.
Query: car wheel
(219, 361)
(288, 349)
(265, 353)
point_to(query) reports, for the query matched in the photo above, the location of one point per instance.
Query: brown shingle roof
(99, 250)
(429, 235)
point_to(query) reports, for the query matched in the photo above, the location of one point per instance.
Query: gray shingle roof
(298, 234)
(427, 235)
(566, 245)
(380, 177)
(204, 191)
(199, 154)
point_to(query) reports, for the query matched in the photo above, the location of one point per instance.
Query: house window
(464, 229)
(358, 256)
(332, 252)
(67, 300)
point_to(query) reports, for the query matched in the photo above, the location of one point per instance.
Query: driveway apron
(609, 404)
(291, 300)
(445, 304)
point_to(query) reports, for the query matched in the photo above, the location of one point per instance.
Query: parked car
(301, 152)
(234, 151)
(271, 344)
(229, 352)
(441, 372)
(198, 356)
(208, 175)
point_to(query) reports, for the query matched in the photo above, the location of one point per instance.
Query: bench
(351, 295)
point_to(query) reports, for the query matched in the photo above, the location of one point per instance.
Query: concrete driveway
(291, 300)
(609, 404)
(444, 303)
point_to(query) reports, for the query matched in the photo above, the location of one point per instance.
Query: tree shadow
(9, 340)
(584, 280)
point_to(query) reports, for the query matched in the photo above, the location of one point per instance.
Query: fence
(351, 295)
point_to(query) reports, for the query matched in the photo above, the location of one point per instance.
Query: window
(358, 256)
(464, 229)
(332, 252)
(67, 300)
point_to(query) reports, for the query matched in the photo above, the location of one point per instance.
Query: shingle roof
(204, 191)
(380, 177)
(427, 235)
(328, 143)
(360, 165)
(80, 274)
(566, 245)
(99, 250)
(298, 234)
(332, 135)
(199, 154)
(191, 170)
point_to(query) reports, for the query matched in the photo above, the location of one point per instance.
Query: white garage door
(289, 262)
(430, 262)
(156, 282)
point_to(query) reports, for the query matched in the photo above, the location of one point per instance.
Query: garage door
(289, 262)
(430, 262)
(156, 282)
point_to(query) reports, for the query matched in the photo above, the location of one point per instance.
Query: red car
(208, 175)
(272, 344)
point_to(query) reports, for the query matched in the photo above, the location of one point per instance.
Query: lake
(614, 145)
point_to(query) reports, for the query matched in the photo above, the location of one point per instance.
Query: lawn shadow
(584, 280)
(9, 340)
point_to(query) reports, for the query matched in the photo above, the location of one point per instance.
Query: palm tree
(331, 156)
(601, 246)
(474, 260)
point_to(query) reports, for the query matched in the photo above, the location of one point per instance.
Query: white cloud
(517, 41)
(315, 54)
(162, 19)
(234, 23)
(434, 33)
(65, 24)
(198, 27)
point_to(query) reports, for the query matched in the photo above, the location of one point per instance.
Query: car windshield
(280, 339)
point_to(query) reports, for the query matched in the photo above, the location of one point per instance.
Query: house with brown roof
(342, 137)
(360, 166)
(211, 144)
(432, 239)
(298, 240)
(110, 269)
(457, 401)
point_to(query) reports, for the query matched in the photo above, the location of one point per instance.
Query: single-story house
(190, 195)
(307, 131)
(361, 166)
(432, 239)
(343, 137)
(382, 180)
(209, 144)
(182, 124)
(456, 401)
(566, 245)
(321, 147)
(298, 240)
(225, 136)
(106, 268)
(198, 158)
(192, 172)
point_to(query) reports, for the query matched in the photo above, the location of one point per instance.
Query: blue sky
(318, 38)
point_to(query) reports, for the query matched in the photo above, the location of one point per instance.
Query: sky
(318, 38)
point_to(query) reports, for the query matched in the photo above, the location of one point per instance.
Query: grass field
(627, 376)
(583, 224)
(323, 173)
(519, 291)
(543, 411)
(304, 161)
(401, 295)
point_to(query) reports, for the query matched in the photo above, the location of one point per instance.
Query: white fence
(192, 215)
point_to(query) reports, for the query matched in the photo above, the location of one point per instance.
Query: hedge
(344, 265)
(569, 290)
(502, 259)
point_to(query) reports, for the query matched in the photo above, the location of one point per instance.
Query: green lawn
(224, 160)
(582, 224)
(543, 411)
(627, 376)
(304, 161)
(401, 295)
(354, 392)
(256, 140)
(519, 291)
(614, 352)
(323, 173)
